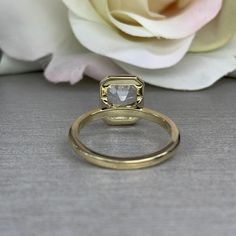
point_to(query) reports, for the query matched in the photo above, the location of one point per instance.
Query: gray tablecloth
(45, 189)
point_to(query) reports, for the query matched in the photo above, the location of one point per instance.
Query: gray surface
(46, 190)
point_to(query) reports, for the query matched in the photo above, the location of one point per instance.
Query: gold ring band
(127, 162)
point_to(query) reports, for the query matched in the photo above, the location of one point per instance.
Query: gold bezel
(122, 80)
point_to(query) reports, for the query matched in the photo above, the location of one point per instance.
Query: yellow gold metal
(126, 162)
(118, 114)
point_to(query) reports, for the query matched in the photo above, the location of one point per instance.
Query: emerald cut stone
(121, 95)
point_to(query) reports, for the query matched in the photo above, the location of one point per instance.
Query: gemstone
(121, 95)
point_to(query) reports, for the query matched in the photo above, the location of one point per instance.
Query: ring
(122, 103)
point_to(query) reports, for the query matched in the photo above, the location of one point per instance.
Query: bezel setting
(130, 82)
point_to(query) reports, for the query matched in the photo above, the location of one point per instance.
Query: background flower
(147, 38)
(148, 34)
(39, 31)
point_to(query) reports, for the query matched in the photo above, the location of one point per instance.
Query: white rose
(143, 37)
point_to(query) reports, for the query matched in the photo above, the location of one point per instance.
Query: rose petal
(32, 29)
(72, 68)
(160, 5)
(140, 7)
(83, 9)
(102, 7)
(196, 71)
(133, 30)
(151, 53)
(183, 3)
(72, 61)
(44, 30)
(218, 32)
(125, 23)
(202, 11)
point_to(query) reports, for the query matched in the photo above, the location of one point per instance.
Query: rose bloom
(178, 44)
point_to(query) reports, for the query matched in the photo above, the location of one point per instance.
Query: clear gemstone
(121, 95)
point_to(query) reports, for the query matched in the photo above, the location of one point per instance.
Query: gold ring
(122, 99)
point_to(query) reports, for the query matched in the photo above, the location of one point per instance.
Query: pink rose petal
(72, 68)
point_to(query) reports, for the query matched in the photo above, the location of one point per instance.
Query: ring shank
(127, 162)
